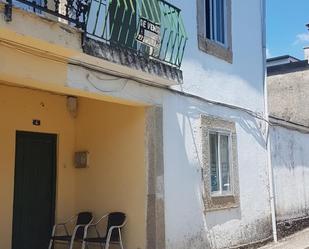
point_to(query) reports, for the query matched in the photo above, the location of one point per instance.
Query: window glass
(215, 14)
(208, 18)
(225, 164)
(220, 15)
(213, 142)
(219, 162)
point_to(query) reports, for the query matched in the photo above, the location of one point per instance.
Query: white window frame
(220, 133)
(213, 26)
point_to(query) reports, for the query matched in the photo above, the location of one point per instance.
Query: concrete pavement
(299, 240)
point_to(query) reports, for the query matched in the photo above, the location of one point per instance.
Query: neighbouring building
(288, 91)
(163, 100)
(284, 59)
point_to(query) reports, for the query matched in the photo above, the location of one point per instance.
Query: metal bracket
(8, 11)
(83, 41)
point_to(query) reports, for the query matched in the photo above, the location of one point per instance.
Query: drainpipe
(268, 145)
(271, 179)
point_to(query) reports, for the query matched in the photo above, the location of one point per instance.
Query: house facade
(287, 92)
(161, 99)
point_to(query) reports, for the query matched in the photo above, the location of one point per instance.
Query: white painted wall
(239, 83)
(290, 160)
(187, 226)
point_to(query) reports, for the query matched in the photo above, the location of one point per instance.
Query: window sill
(218, 195)
(222, 202)
(215, 49)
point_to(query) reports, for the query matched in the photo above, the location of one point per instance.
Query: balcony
(146, 34)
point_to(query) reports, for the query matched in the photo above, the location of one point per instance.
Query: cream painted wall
(18, 107)
(114, 136)
(47, 72)
(116, 178)
(31, 70)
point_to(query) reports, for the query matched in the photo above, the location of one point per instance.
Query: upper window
(215, 28)
(216, 16)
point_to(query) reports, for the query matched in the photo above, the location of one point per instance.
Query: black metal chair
(81, 221)
(115, 222)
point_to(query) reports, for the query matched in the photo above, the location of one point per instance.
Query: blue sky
(286, 31)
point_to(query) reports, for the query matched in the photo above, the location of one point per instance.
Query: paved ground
(297, 241)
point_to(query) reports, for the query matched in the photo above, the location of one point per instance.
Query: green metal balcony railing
(151, 28)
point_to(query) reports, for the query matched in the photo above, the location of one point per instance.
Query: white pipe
(271, 185)
(268, 145)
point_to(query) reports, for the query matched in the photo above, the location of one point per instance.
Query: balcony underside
(132, 59)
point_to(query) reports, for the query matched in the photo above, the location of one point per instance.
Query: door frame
(54, 138)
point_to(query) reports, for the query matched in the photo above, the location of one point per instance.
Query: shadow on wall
(187, 188)
(249, 124)
(290, 157)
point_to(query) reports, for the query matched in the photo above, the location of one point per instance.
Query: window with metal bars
(216, 21)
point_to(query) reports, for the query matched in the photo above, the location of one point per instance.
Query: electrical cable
(62, 59)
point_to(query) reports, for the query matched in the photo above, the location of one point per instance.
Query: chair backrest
(83, 218)
(115, 219)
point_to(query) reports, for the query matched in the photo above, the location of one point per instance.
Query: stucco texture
(18, 107)
(290, 160)
(188, 224)
(116, 177)
(288, 96)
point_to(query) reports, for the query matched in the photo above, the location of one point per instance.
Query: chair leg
(84, 244)
(107, 245)
(71, 244)
(121, 244)
(51, 242)
(120, 239)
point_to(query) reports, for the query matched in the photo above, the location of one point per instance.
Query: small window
(219, 167)
(216, 16)
(219, 163)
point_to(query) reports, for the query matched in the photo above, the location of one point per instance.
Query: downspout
(268, 144)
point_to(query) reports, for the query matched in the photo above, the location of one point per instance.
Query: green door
(34, 190)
